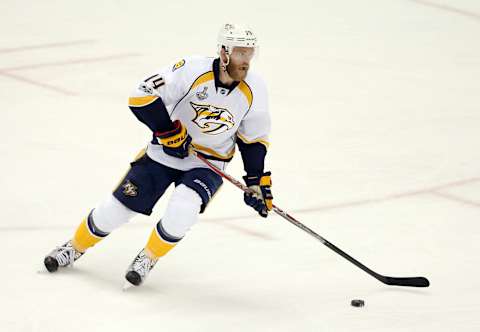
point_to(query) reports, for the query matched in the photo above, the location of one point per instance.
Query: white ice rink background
(375, 146)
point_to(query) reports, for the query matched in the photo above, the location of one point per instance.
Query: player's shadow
(420, 291)
(207, 295)
(83, 273)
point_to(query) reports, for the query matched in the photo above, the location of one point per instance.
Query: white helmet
(233, 35)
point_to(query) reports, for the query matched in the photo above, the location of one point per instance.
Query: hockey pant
(181, 213)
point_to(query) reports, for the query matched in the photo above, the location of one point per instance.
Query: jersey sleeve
(169, 83)
(151, 98)
(255, 126)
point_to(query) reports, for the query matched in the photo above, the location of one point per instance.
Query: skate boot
(63, 256)
(140, 267)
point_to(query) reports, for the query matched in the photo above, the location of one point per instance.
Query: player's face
(240, 62)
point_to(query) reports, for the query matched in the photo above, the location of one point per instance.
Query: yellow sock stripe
(176, 140)
(83, 238)
(157, 246)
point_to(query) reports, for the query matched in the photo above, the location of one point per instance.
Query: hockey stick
(393, 281)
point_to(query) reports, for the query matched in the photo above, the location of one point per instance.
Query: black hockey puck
(357, 303)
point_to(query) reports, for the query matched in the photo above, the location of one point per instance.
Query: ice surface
(386, 96)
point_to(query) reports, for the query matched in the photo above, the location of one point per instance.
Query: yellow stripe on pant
(84, 238)
(156, 246)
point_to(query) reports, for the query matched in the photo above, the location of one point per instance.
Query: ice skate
(62, 256)
(139, 269)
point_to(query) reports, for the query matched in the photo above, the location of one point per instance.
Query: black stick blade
(409, 282)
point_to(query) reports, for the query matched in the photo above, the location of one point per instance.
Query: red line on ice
(457, 199)
(450, 9)
(430, 190)
(39, 84)
(71, 62)
(8, 71)
(43, 46)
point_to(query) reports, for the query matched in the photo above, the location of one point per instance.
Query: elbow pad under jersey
(152, 113)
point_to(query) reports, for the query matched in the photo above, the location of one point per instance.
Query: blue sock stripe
(93, 228)
(164, 235)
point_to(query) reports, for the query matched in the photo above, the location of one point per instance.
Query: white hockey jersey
(215, 116)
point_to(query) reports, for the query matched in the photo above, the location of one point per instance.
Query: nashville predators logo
(212, 120)
(129, 189)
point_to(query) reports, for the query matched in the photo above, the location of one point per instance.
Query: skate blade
(127, 285)
(43, 270)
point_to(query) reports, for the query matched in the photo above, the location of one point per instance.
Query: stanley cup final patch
(202, 94)
(129, 189)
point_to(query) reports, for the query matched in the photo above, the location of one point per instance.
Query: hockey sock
(87, 235)
(160, 243)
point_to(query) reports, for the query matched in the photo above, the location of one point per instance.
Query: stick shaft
(394, 281)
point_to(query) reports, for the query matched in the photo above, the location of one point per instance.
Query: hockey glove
(261, 197)
(176, 141)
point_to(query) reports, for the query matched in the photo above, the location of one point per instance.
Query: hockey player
(197, 105)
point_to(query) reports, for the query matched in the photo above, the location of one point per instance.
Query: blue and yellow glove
(261, 197)
(175, 142)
